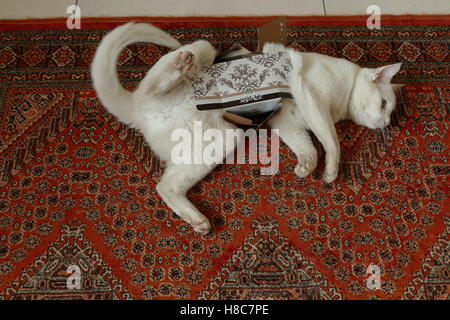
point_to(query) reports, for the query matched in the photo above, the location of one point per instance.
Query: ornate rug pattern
(78, 188)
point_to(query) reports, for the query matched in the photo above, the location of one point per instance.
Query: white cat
(326, 90)
(161, 103)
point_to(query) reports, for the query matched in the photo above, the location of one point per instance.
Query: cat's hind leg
(173, 186)
(184, 61)
(168, 72)
(294, 134)
(175, 67)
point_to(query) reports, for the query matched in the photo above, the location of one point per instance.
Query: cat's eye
(383, 104)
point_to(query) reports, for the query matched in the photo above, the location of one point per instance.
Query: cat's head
(373, 97)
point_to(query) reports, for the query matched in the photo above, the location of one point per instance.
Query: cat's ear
(385, 74)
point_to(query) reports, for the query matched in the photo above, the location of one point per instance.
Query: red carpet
(78, 188)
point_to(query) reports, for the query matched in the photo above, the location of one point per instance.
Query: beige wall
(17, 9)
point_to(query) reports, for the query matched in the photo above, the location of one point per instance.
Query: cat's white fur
(161, 103)
(326, 90)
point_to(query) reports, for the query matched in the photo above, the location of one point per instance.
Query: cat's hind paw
(305, 166)
(184, 61)
(203, 227)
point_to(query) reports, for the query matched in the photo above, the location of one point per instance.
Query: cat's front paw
(330, 175)
(305, 166)
(184, 61)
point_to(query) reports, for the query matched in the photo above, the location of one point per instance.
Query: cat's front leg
(315, 112)
(320, 122)
(306, 164)
(324, 129)
(293, 132)
(332, 158)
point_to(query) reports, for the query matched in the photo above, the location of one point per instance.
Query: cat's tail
(116, 98)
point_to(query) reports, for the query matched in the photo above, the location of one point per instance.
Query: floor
(19, 9)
